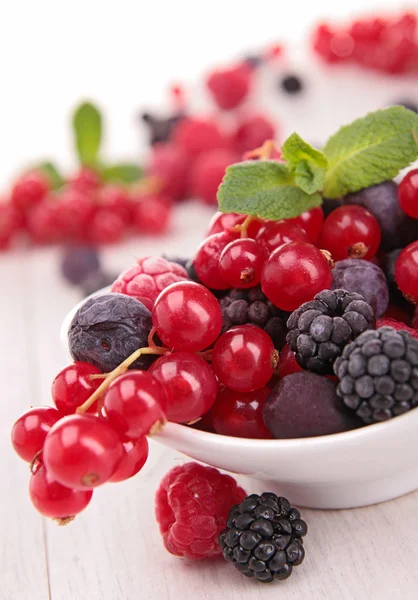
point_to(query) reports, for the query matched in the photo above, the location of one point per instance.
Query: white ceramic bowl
(345, 470)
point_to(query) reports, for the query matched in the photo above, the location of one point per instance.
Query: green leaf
(370, 150)
(307, 164)
(122, 173)
(87, 126)
(51, 171)
(264, 189)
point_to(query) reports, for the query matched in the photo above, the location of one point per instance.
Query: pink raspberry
(152, 213)
(386, 322)
(150, 276)
(195, 136)
(29, 190)
(207, 173)
(192, 506)
(253, 132)
(229, 87)
(169, 164)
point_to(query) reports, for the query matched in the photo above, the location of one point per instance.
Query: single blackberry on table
(263, 537)
(378, 374)
(241, 306)
(319, 329)
(78, 263)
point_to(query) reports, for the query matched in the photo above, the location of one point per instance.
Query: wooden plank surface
(113, 551)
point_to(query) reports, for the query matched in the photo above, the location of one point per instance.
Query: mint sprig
(369, 151)
(87, 127)
(121, 173)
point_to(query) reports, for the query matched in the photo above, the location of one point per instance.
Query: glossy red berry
(116, 199)
(82, 451)
(29, 190)
(294, 274)
(240, 414)
(189, 383)
(73, 386)
(241, 263)
(150, 276)
(54, 500)
(244, 358)
(206, 261)
(406, 271)
(312, 222)
(274, 234)
(229, 87)
(226, 221)
(187, 316)
(351, 232)
(134, 458)
(195, 136)
(287, 362)
(207, 173)
(30, 430)
(152, 214)
(106, 227)
(408, 193)
(253, 132)
(169, 165)
(134, 405)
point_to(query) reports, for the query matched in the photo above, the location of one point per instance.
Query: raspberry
(145, 280)
(42, 223)
(152, 214)
(207, 173)
(192, 507)
(229, 87)
(170, 165)
(29, 190)
(253, 132)
(397, 325)
(8, 224)
(106, 227)
(195, 136)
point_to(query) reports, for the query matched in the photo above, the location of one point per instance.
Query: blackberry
(160, 128)
(378, 374)
(78, 263)
(319, 329)
(240, 307)
(263, 537)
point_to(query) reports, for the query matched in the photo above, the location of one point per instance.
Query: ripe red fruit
(54, 500)
(30, 430)
(189, 384)
(406, 271)
(75, 212)
(145, 280)
(9, 223)
(253, 132)
(294, 274)
(206, 261)
(29, 190)
(274, 234)
(207, 173)
(43, 222)
(221, 222)
(116, 199)
(240, 414)
(244, 358)
(86, 180)
(229, 87)
(73, 386)
(134, 458)
(134, 404)
(398, 325)
(241, 263)
(351, 232)
(287, 362)
(187, 317)
(195, 136)
(169, 164)
(192, 507)
(312, 222)
(408, 193)
(106, 227)
(82, 451)
(152, 213)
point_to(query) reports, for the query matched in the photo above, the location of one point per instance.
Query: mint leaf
(87, 126)
(122, 173)
(264, 189)
(370, 150)
(51, 171)
(307, 164)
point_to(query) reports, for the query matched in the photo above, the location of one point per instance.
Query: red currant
(207, 173)
(187, 316)
(312, 222)
(82, 451)
(152, 214)
(408, 193)
(170, 166)
(73, 386)
(287, 362)
(226, 221)
(134, 458)
(206, 261)
(351, 231)
(406, 271)
(189, 384)
(241, 263)
(240, 414)
(244, 358)
(134, 405)
(116, 199)
(30, 430)
(54, 500)
(294, 274)
(106, 227)
(29, 190)
(275, 234)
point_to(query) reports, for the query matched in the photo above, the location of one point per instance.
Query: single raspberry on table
(192, 507)
(150, 276)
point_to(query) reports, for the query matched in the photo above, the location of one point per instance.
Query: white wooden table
(113, 551)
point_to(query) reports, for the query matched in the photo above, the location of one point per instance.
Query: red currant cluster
(84, 210)
(386, 45)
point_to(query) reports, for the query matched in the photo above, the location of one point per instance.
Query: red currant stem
(328, 258)
(194, 421)
(151, 335)
(206, 355)
(358, 250)
(264, 152)
(62, 521)
(149, 185)
(35, 462)
(122, 368)
(243, 227)
(99, 376)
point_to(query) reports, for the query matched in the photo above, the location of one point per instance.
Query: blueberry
(106, 329)
(291, 84)
(78, 263)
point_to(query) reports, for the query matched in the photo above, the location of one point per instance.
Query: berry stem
(122, 368)
(243, 227)
(264, 152)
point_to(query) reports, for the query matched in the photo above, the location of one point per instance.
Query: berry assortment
(262, 336)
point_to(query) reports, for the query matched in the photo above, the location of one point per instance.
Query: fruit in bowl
(265, 357)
